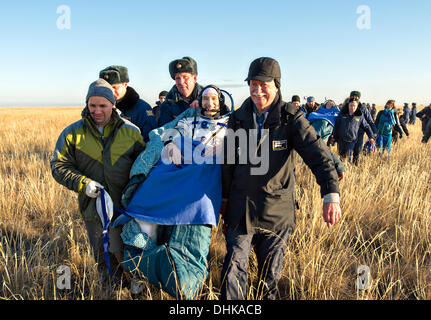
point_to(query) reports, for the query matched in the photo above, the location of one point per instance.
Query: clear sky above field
(325, 48)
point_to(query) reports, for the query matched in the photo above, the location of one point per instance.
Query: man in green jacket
(93, 153)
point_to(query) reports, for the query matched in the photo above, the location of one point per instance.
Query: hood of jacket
(129, 100)
(345, 109)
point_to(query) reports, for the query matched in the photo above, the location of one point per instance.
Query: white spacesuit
(209, 127)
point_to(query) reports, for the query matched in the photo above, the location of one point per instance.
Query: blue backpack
(386, 122)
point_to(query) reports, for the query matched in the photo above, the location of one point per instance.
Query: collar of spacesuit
(217, 115)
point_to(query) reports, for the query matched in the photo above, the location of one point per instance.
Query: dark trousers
(358, 145)
(94, 233)
(346, 149)
(427, 131)
(269, 248)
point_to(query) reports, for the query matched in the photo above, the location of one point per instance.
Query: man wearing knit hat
(128, 101)
(184, 93)
(296, 101)
(261, 207)
(97, 152)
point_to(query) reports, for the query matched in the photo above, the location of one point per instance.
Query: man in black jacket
(413, 114)
(369, 119)
(425, 116)
(261, 203)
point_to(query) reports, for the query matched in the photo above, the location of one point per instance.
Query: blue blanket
(324, 114)
(178, 195)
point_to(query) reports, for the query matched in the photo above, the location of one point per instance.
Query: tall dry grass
(386, 225)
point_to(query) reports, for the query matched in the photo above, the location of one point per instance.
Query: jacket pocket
(279, 193)
(87, 208)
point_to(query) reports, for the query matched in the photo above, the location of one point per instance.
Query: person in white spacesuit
(205, 128)
(173, 198)
(208, 127)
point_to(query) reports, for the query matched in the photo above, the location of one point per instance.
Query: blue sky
(320, 49)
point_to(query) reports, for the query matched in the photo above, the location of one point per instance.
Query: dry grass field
(386, 225)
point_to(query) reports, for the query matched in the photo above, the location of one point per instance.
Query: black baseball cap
(264, 69)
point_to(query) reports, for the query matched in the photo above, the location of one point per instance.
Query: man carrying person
(184, 93)
(97, 152)
(261, 206)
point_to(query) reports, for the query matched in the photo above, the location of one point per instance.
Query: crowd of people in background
(120, 143)
(354, 118)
